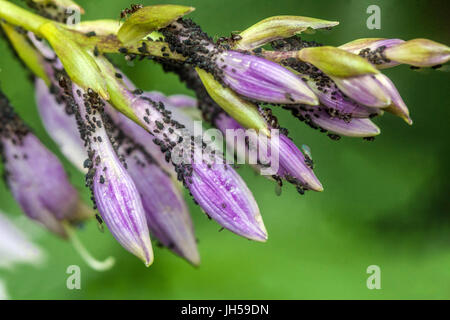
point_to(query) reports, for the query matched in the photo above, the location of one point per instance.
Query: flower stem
(84, 253)
(21, 17)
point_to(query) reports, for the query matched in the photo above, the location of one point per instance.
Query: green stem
(21, 17)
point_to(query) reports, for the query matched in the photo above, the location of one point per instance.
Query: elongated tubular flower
(373, 49)
(320, 118)
(262, 80)
(397, 106)
(166, 212)
(115, 194)
(385, 53)
(253, 77)
(293, 166)
(60, 125)
(336, 102)
(35, 176)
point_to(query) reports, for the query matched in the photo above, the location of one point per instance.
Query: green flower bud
(419, 53)
(278, 27)
(149, 19)
(336, 62)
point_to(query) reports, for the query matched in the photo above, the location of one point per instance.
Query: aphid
(306, 151)
(235, 37)
(125, 12)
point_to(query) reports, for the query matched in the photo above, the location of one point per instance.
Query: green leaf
(149, 19)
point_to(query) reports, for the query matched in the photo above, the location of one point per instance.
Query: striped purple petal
(263, 80)
(364, 90)
(116, 195)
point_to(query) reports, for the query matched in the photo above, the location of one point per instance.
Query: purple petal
(34, 173)
(330, 96)
(225, 197)
(364, 90)
(166, 212)
(263, 80)
(115, 193)
(292, 164)
(373, 50)
(398, 106)
(348, 127)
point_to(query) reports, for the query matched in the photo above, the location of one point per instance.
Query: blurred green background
(385, 202)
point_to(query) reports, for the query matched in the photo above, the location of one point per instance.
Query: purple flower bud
(373, 49)
(337, 102)
(114, 191)
(263, 80)
(364, 90)
(61, 127)
(35, 176)
(225, 197)
(292, 164)
(321, 118)
(398, 106)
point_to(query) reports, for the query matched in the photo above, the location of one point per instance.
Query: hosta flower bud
(225, 197)
(398, 106)
(292, 165)
(336, 62)
(321, 118)
(262, 80)
(364, 89)
(419, 53)
(278, 27)
(35, 176)
(373, 49)
(148, 19)
(115, 194)
(338, 103)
